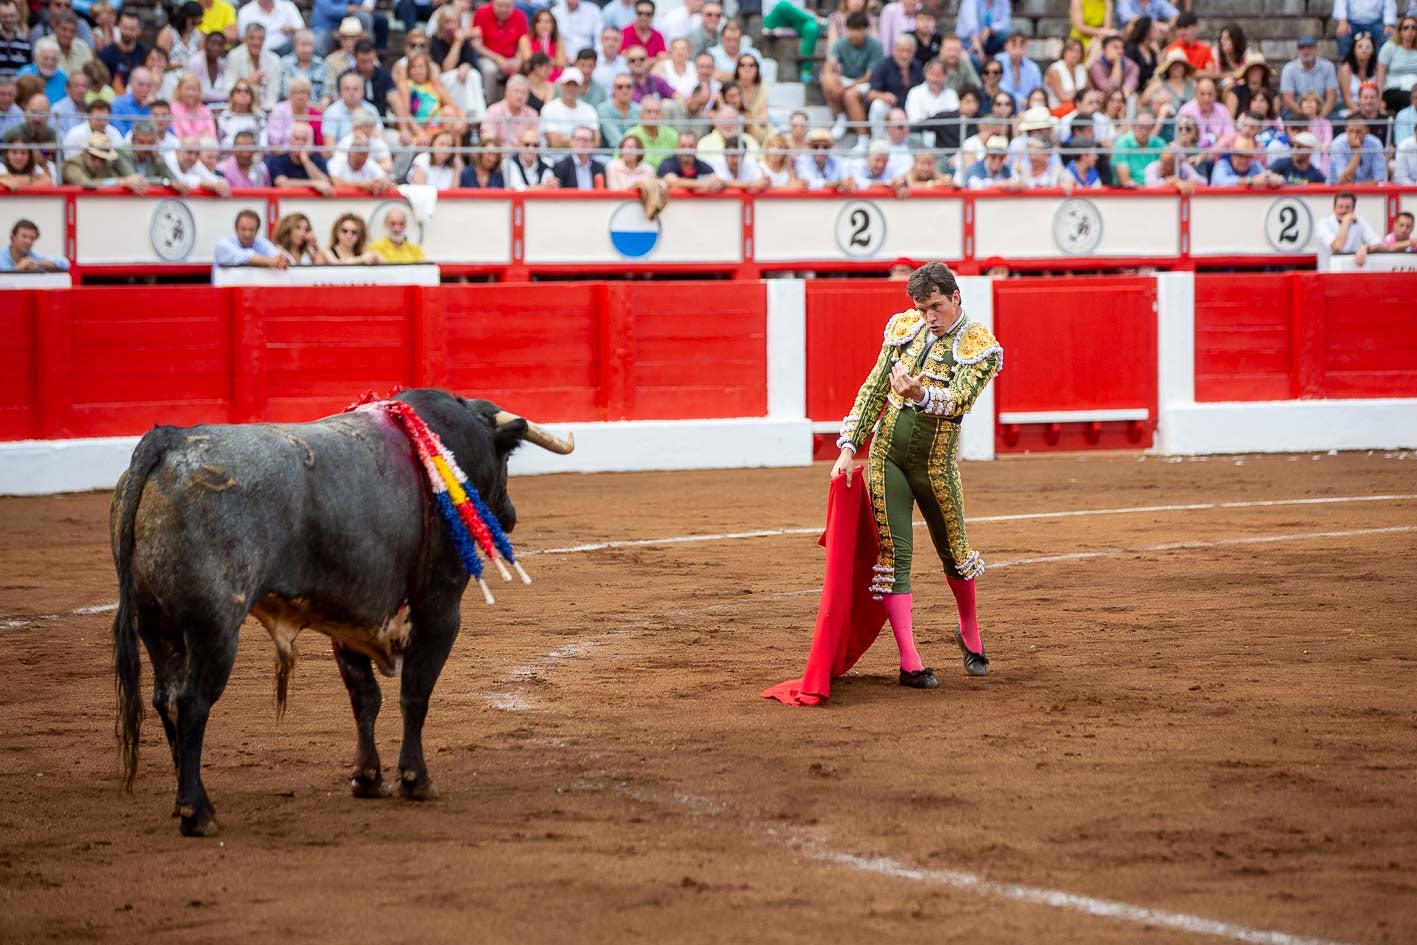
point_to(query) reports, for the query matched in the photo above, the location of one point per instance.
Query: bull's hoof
(414, 788)
(198, 823)
(363, 787)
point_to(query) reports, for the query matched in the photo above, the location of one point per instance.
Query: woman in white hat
(1175, 74)
(1253, 76)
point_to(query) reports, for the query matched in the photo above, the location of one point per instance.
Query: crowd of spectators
(633, 94)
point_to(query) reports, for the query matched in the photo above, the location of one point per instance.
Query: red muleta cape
(848, 620)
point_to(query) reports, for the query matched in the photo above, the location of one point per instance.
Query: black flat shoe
(919, 679)
(975, 664)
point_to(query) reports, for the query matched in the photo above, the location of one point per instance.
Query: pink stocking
(968, 612)
(898, 610)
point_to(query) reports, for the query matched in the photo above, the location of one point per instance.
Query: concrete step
(787, 95)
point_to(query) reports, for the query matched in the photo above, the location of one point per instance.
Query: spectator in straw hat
(101, 166)
(341, 60)
(1037, 122)
(1240, 169)
(819, 169)
(1253, 77)
(993, 172)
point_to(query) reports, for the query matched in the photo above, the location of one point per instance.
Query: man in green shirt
(1135, 150)
(846, 76)
(99, 165)
(659, 139)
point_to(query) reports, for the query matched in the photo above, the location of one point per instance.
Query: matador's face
(940, 310)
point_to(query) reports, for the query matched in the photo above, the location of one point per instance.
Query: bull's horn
(542, 438)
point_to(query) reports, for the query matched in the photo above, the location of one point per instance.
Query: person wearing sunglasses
(642, 33)
(642, 81)
(347, 241)
(1377, 18)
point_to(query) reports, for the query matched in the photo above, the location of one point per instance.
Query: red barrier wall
(845, 321)
(1076, 345)
(114, 361)
(1291, 335)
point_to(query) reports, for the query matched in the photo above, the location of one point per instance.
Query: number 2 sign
(1289, 225)
(860, 229)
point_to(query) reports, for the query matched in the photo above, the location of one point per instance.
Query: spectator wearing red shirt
(502, 26)
(1197, 53)
(642, 32)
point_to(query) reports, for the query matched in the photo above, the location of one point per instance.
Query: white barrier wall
(1021, 227)
(555, 230)
(857, 228)
(1269, 222)
(607, 232)
(127, 230)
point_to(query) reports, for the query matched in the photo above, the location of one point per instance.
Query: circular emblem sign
(860, 229)
(1289, 225)
(1077, 226)
(633, 234)
(172, 231)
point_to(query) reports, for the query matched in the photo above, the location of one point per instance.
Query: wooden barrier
(108, 361)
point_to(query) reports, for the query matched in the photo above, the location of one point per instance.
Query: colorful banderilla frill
(471, 524)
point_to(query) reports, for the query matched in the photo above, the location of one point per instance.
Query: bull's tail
(127, 668)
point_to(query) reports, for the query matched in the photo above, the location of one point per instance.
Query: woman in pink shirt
(190, 118)
(286, 114)
(1212, 118)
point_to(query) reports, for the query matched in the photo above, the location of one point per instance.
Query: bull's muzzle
(535, 434)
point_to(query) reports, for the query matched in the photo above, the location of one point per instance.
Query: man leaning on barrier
(247, 247)
(20, 256)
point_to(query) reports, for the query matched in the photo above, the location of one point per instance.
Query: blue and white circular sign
(633, 235)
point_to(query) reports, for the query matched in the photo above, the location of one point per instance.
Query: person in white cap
(101, 166)
(561, 116)
(993, 172)
(1298, 168)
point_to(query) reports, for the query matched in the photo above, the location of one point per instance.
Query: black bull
(327, 526)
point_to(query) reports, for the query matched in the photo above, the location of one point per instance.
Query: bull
(327, 526)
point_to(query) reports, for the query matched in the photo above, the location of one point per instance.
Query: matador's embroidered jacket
(953, 369)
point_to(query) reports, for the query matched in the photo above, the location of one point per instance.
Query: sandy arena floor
(1198, 726)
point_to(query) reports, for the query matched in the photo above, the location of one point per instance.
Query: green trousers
(799, 21)
(914, 460)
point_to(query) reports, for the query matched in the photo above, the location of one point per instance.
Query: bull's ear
(509, 436)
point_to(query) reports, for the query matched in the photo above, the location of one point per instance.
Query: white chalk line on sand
(1057, 899)
(18, 623)
(976, 520)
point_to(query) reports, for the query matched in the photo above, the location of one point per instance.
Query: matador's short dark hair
(929, 277)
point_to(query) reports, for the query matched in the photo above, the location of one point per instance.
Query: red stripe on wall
(845, 321)
(116, 362)
(1243, 337)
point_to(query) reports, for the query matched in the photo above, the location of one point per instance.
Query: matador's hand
(845, 463)
(906, 385)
